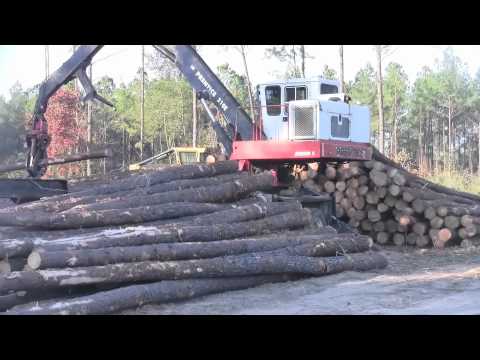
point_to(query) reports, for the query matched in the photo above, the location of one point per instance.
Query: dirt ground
(416, 281)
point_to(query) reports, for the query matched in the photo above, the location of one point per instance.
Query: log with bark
(12, 264)
(113, 301)
(134, 182)
(224, 192)
(143, 235)
(86, 219)
(52, 205)
(15, 248)
(420, 183)
(254, 211)
(294, 260)
(473, 242)
(328, 245)
(171, 173)
(101, 154)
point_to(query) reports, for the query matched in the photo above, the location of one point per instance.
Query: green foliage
(168, 112)
(235, 83)
(288, 54)
(329, 73)
(13, 117)
(395, 100)
(363, 91)
(459, 181)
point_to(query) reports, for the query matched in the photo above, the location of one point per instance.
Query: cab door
(272, 113)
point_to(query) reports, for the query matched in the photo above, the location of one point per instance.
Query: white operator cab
(311, 109)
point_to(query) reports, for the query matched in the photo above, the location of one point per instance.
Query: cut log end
(34, 260)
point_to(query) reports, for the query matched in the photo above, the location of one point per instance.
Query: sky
(26, 63)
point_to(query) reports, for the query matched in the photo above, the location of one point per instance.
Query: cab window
(289, 94)
(295, 93)
(273, 99)
(301, 93)
(328, 89)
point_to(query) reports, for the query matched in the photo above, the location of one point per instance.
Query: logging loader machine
(296, 122)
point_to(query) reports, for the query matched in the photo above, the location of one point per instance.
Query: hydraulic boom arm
(189, 62)
(209, 87)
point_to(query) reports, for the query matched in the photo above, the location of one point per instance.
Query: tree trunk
(294, 56)
(302, 58)
(15, 248)
(417, 182)
(275, 262)
(342, 79)
(478, 148)
(142, 102)
(112, 301)
(177, 185)
(246, 212)
(142, 235)
(89, 128)
(114, 217)
(194, 118)
(249, 84)
(328, 244)
(395, 130)
(54, 205)
(217, 193)
(124, 155)
(135, 182)
(380, 99)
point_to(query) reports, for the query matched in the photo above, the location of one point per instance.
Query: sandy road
(416, 282)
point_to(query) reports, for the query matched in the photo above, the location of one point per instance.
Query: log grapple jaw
(38, 139)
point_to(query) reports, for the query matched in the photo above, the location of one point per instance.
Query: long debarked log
(109, 217)
(62, 160)
(217, 193)
(112, 301)
(143, 235)
(327, 245)
(275, 262)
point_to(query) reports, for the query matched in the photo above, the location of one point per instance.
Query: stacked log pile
(393, 206)
(172, 234)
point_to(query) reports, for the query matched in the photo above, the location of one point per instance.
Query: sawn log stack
(389, 204)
